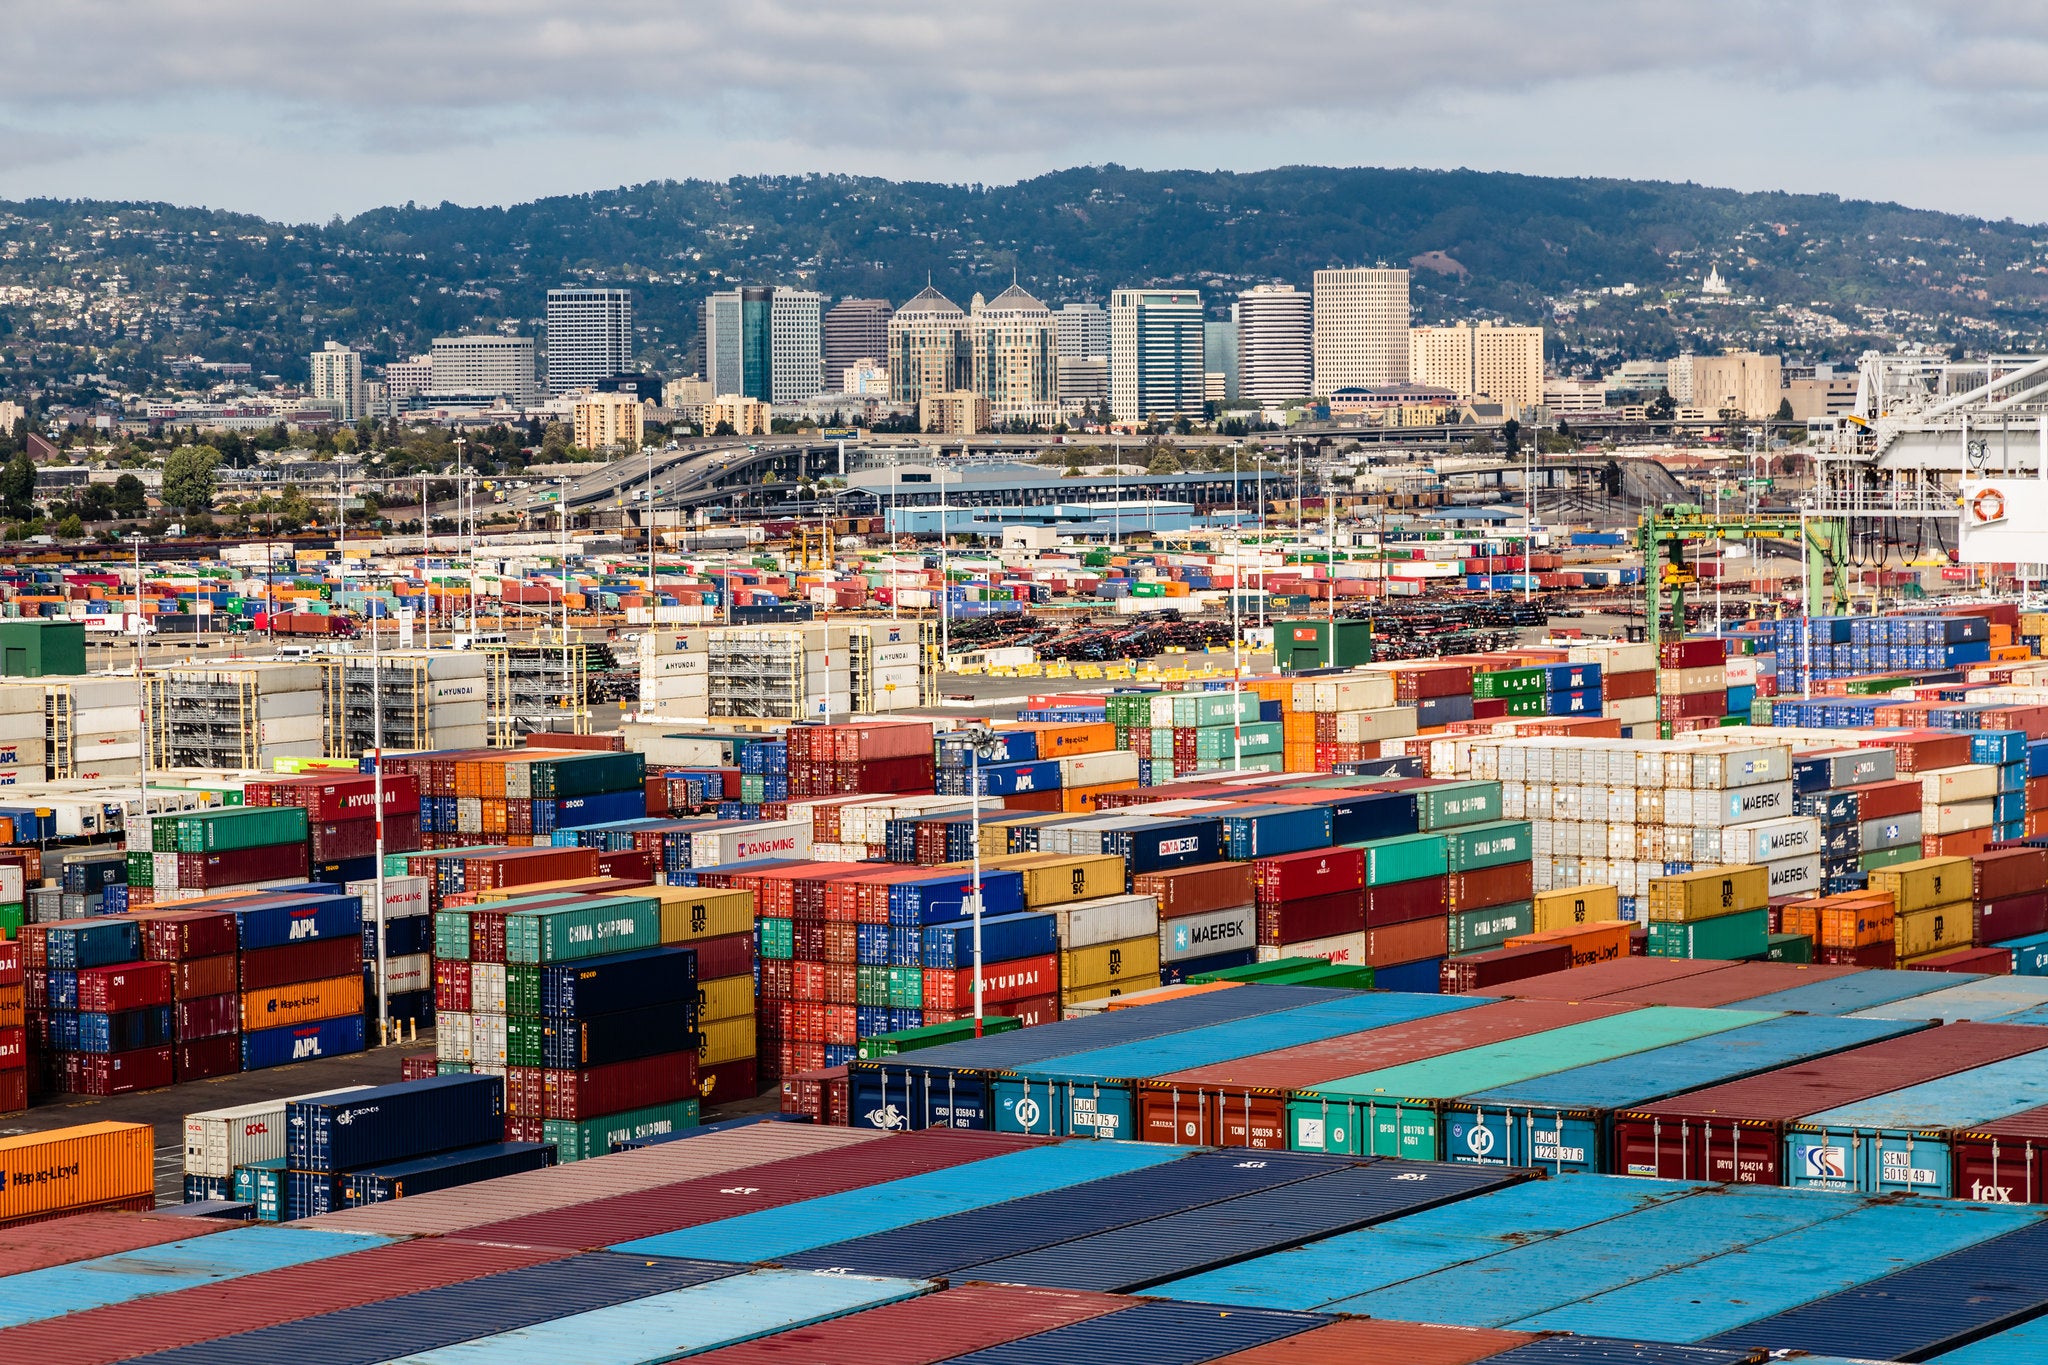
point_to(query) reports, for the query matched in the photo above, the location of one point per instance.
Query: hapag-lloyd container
(1900, 1141)
(1735, 1132)
(1563, 1122)
(346, 1132)
(951, 1086)
(75, 1168)
(1396, 1111)
(218, 1140)
(1091, 1093)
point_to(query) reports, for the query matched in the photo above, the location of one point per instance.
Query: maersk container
(1986, 999)
(413, 1118)
(950, 1087)
(1396, 1111)
(302, 1042)
(1900, 1141)
(626, 981)
(445, 1170)
(1856, 991)
(1563, 1122)
(1092, 1093)
(1004, 938)
(1261, 831)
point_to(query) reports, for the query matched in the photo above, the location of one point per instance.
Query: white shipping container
(1363, 692)
(768, 839)
(1615, 656)
(1092, 770)
(893, 656)
(24, 753)
(487, 1041)
(1766, 841)
(1739, 806)
(1794, 876)
(1365, 727)
(1735, 766)
(675, 665)
(1212, 931)
(218, 1140)
(901, 679)
(1741, 670)
(1955, 817)
(404, 897)
(1345, 948)
(1111, 919)
(487, 988)
(1674, 682)
(1946, 786)
(290, 730)
(410, 972)
(1631, 710)
(105, 720)
(24, 724)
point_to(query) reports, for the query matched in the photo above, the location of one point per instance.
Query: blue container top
(1022, 1047)
(1359, 1012)
(1151, 1332)
(1693, 1064)
(1983, 999)
(1847, 994)
(1963, 1100)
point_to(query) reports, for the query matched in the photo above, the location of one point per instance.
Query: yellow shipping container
(1708, 892)
(1925, 882)
(1108, 990)
(725, 997)
(89, 1166)
(726, 1040)
(1109, 963)
(1935, 928)
(303, 1003)
(1572, 906)
(688, 913)
(1056, 878)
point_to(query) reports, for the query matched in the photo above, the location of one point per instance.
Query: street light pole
(141, 691)
(562, 507)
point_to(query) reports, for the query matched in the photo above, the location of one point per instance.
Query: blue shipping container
(302, 1042)
(1004, 938)
(413, 1118)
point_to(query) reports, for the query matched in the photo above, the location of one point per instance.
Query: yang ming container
(387, 1123)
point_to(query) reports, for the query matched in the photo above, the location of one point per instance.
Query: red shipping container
(1628, 686)
(124, 986)
(1020, 979)
(14, 1099)
(1397, 902)
(2009, 872)
(623, 1085)
(327, 797)
(625, 865)
(10, 964)
(525, 1129)
(1315, 872)
(1884, 800)
(526, 1091)
(13, 1049)
(2016, 917)
(208, 1016)
(1501, 885)
(2004, 1161)
(288, 964)
(1920, 751)
(118, 1073)
(1475, 972)
(178, 935)
(194, 977)
(1691, 653)
(335, 841)
(203, 1058)
(1878, 955)
(1340, 912)
(1989, 961)
(487, 935)
(1604, 978)
(1389, 945)
(727, 1082)
(1195, 890)
(451, 984)
(264, 863)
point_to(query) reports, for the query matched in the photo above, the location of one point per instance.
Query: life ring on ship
(1988, 505)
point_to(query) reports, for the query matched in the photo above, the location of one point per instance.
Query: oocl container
(218, 1140)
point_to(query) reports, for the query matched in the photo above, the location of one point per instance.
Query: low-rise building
(954, 412)
(603, 421)
(745, 416)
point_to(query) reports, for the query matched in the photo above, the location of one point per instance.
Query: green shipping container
(1532, 705)
(522, 990)
(778, 939)
(1404, 858)
(594, 929)
(1472, 930)
(587, 775)
(1259, 971)
(933, 1035)
(42, 649)
(451, 933)
(1199, 709)
(11, 919)
(1789, 948)
(906, 989)
(218, 831)
(1509, 682)
(1396, 1111)
(141, 868)
(580, 1140)
(1457, 803)
(1889, 857)
(1475, 846)
(1346, 976)
(1746, 933)
(525, 1040)
(1217, 741)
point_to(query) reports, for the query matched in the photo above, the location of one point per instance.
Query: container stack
(201, 948)
(1208, 917)
(1312, 903)
(838, 760)
(1628, 683)
(225, 1147)
(300, 975)
(1692, 685)
(519, 796)
(408, 949)
(1327, 721)
(1075, 767)
(13, 1032)
(1869, 817)
(204, 852)
(341, 815)
(1714, 912)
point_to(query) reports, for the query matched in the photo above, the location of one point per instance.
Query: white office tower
(764, 343)
(1275, 343)
(486, 367)
(590, 336)
(1084, 332)
(1361, 328)
(1155, 354)
(337, 374)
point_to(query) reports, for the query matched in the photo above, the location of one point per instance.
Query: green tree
(1165, 461)
(131, 499)
(1784, 410)
(188, 477)
(18, 485)
(71, 528)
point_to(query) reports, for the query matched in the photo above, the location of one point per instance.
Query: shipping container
(75, 1168)
(413, 1118)
(930, 1329)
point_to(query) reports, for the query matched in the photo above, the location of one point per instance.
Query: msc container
(385, 1123)
(1925, 882)
(1708, 893)
(446, 1170)
(1092, 1093)
(218, 1140)
(87, 1166)
(1396, 1111)
(1564, 1121)
(1735, 1132)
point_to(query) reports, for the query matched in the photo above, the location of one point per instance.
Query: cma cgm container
(1091, 1094)
(1243, 1102)
(952, 1086)
(1396, 1111)
(1736, 1132)
(1564, 1121)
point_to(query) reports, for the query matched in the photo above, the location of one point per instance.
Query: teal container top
(103, 1280)
(1341, 1267)
(682, 1322)
(1959, 1101)
(2026, 1344)
(771, 1233)
(1695, 1063)
(1858, 991)
(1871, 1238)
(1986, 1000)
(1358, 1013)
(1498, 1064)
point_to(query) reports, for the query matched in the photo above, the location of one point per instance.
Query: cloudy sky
(301, 111)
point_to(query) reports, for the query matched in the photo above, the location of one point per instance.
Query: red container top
(177, 935)
(1314, 872)
(2010, 872)
(2029, 1125)
(1989, 961)
(1360, 1341)
(923, 1331)
(1192, 890)
(82, 1236)
(1884, 800)
(1477, 972)
(1737, 981)
(1920, 751)
(1602, 979)
(1846, 1077)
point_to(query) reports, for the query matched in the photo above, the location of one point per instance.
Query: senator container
(1736, 1132)
(1900, 1141)
(1396, 1111)
(1242, 1102)
(952, 1086)
(930, 1329)
(413, 1118)
(1564, 1121)
(1847, 994)
(1091, 1093)
(1985, 999)
(88, 1166)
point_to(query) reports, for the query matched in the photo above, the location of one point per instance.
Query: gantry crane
(1662, 536)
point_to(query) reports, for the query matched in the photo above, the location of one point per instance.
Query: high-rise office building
(928, 350)
(486, 367)
(855, 330)
(1361, 328)
(1742, 382)
(1016, 359)
(403, 379)
(1275, 344)
(590, 336)
(763, 342)
(1084, 332)
(1480, 360)
(1155, 354)
(338, 379)
(1219, 354)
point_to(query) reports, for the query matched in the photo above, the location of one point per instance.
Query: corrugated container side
(927, 1330)
(1377, 1342)
(83, 1236)
(1152, 1333)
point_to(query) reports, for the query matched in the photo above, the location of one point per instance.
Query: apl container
(302, 1042)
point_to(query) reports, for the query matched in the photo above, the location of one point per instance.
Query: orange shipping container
(1083, 800)
(92, 1165)
(1155, 997)
(1852, 921)
(304, 1003)
(1600, 941)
